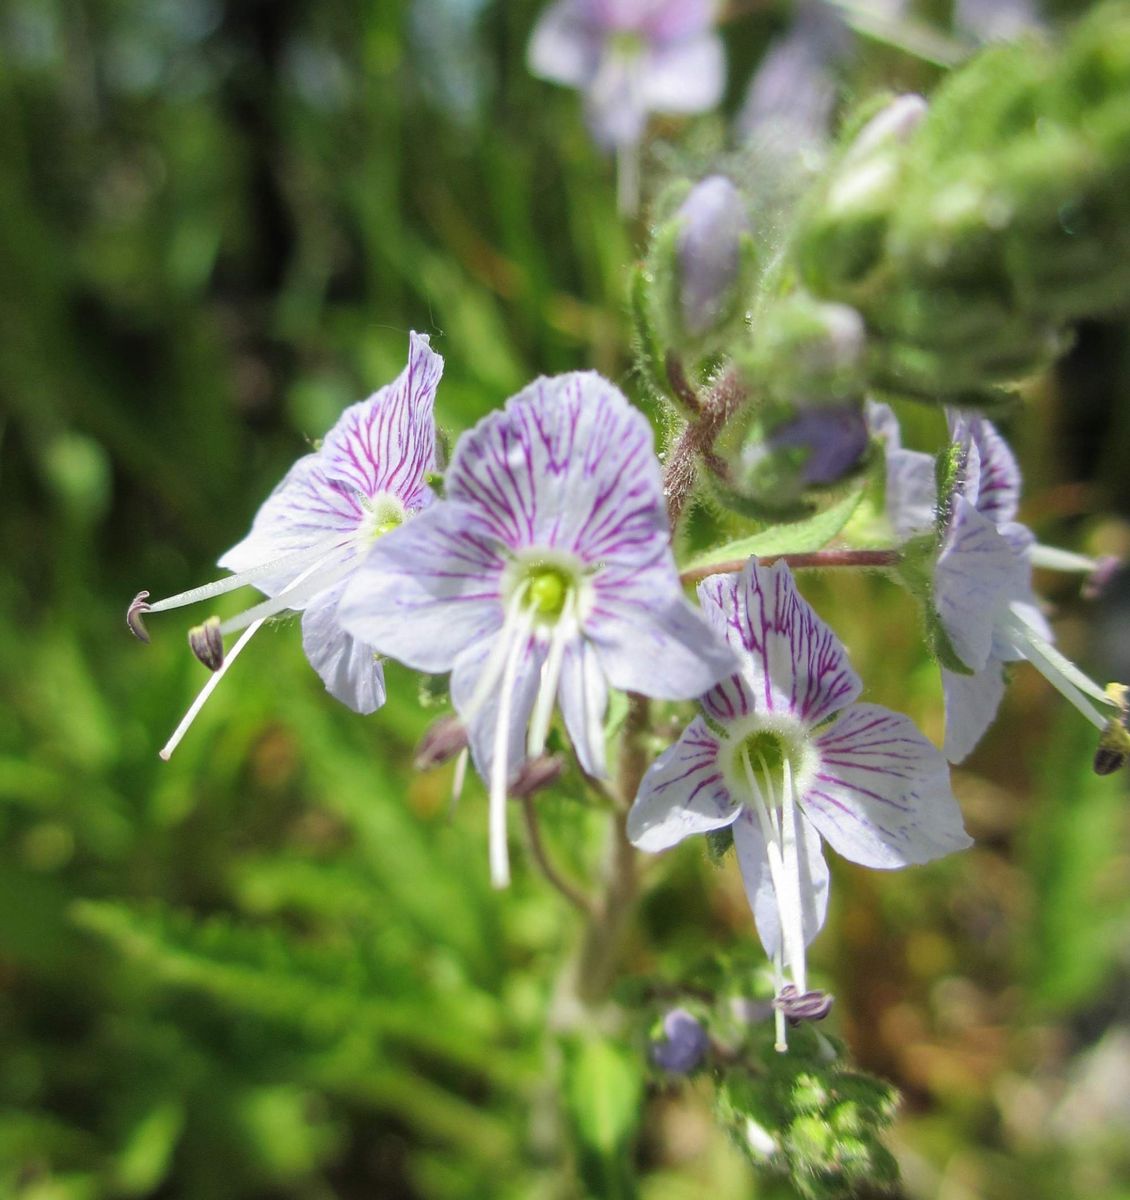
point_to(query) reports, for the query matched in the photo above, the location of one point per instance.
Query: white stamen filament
(781, 1044)
(496, 659)
(1058, 670)
(550, 678)
(459, 775)
(786, 885)
(792, 864)
(241, 578)
(295, 594)
(1052, 558)
(213, 681)
(499, 767)
(229, 658)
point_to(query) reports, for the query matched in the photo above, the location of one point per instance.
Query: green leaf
(603, 1097)
(795, 537)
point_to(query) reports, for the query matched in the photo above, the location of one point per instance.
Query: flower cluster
(543, 577)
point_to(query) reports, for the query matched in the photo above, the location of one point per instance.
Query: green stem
(815, 560)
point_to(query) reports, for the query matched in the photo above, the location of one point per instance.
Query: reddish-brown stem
(815, 560)
(697, 441)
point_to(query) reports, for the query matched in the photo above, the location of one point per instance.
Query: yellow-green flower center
(382, 515)
(547, 592)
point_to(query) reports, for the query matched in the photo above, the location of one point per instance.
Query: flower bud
(824, 444)
(683, 1045)
(708, 251)
(535, 774)
(443, 740)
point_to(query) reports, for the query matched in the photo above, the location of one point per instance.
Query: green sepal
(719, 843)
(646, 346)
(915, 571)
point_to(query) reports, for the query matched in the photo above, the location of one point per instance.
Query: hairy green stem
(815, 560)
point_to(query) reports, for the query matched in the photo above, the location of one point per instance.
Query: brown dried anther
(806, 1006)
(207, 643)
(137, 609)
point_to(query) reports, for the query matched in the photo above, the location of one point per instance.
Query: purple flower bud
(683, 1045)
(443, 740)
(834, 436)
(535, 774)
(713, 220)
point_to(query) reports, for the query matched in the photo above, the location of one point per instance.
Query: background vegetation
(274, 966)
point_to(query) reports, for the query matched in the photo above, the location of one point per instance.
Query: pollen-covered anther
(802, 1006)
(207, 643)
(137, 609)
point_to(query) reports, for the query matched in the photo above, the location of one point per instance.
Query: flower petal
(429, 589)
(682, 793)
(386, 444)
(749, 843)
(650, 639)
(976, 576)
(564, 46)
(790, 660)
(351, 671)
(519, 705)
(685, 76)
(306, 509)
(568, 465)
(971, 704)
(881, 794)
(992, 473)
(583, 698)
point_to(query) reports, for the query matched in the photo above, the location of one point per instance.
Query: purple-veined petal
(729, 701)
(518, 705)
(682, 793)
(993, 474)
(306, 509)
(428, 589)
(790, 660)
(749, 844)
(386, 444)
(583, 698)
(971, 704)
(350, 670)
(568, 465)
(977, 574)
(564, 46)
(383, 445)
(881, 794)
(650, 639)
(685, 76)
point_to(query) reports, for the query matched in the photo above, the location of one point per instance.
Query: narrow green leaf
(796, 537)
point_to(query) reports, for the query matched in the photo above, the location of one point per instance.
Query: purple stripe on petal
(682, 793)
(881, 795)
(791, 661)
(386, 444)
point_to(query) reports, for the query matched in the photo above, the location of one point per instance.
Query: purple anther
(137, 609)
(207, 644)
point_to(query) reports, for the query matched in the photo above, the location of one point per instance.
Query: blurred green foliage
(274, 967)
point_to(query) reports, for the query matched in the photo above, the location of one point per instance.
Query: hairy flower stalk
(316, 529)
(542, 578)
(783, 757)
